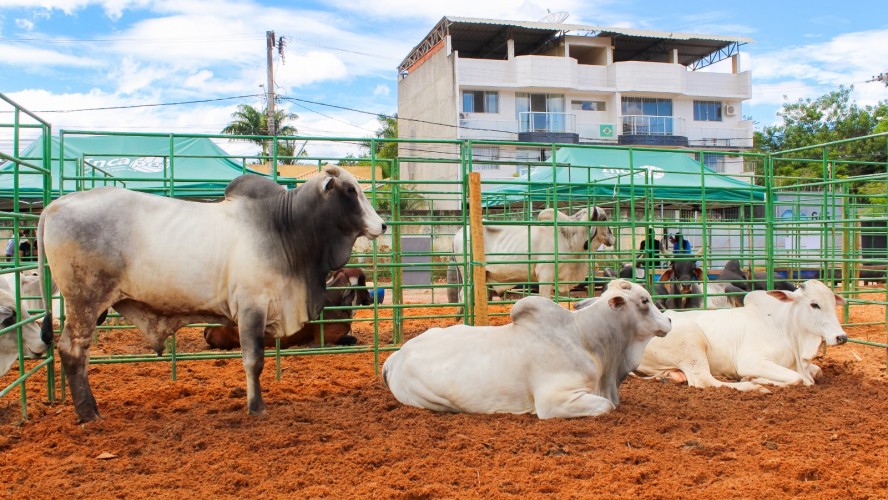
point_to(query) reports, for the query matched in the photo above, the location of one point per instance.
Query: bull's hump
(252, 186)
(534, 310)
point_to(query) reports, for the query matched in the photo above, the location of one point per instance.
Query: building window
(480, 154)
(480, 101)
(647, 116)
(646, 106)
(707, 111)
(714, 162)
(587, 105)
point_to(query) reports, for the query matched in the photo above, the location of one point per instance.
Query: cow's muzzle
(841, 339)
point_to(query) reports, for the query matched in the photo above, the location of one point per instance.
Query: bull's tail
(45, 291)
(454, 279)
(385, 381)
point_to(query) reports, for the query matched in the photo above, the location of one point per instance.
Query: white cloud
(845, 59)
(778, 93)
(310, 67)
(112, 8)
(23, 55)
(382, 89)
(24, 24)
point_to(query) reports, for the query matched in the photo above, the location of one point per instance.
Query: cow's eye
(815, 305)
(352, 190)
(645, 301)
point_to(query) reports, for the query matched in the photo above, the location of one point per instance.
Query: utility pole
(269, 44)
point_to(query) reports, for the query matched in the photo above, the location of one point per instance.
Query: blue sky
(74, 54)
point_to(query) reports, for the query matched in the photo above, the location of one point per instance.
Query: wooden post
(479, 266)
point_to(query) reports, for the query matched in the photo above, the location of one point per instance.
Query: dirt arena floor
(333, 431)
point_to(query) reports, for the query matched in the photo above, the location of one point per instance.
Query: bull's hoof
(257, 408)
(347, 340)
(87, 417)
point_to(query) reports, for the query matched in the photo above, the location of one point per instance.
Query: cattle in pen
(258, 259)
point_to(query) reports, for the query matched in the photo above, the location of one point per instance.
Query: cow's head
(599, 234)
(349, 288)
(634, 305)
(593, 236)
(814, 310)
(33, 346)
(684, 274)
(338, 184)
(627, 296)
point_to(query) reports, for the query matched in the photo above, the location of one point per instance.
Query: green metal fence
(748, 212)
(18, 222)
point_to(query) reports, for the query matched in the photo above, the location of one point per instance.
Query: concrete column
(510, 48)
(673, 56)
(735, 63)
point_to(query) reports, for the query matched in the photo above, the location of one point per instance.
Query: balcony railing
(652, 125)
(534, 121)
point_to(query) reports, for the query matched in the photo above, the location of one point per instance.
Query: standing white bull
(772, 339)
(548, 361)
(508, 249)
(259, 259)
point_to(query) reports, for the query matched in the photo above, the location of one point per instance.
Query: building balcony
(534, 126)
(652, 131)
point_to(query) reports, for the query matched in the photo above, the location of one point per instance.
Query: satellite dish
(554, 17)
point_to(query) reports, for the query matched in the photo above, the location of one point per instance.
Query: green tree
(388, 150)
(247, 120)
(831, 117)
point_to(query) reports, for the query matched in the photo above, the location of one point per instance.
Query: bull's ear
(667, 275)
(781, 295)
(597, 214)
(328, 184)
(585, 303)
(617, 302)
(840, 301)
(698, 272)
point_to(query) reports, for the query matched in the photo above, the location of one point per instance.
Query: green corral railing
(742, 209)
(18, 222)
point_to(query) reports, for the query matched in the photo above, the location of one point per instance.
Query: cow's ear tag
(329, 182)
(617, 302)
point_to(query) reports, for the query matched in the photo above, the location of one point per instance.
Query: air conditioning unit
(730, 109)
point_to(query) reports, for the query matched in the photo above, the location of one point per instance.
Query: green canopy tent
(169, 165)
(605, 173)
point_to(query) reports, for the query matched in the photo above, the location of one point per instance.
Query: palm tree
(388, 129)
(247, 120)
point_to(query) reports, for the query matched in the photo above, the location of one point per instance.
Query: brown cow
(228, 337)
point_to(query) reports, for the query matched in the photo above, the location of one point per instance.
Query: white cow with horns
(258, 259)
(772, 339)
(512, 246)
(548, 361)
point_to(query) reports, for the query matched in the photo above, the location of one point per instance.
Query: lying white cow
(771, 340)
(548, 361)
(723, 296)
(504, 244)
(34, 347)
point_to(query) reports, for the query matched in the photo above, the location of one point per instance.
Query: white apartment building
(566, 83)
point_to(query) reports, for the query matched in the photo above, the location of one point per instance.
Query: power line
(131, 106)
(208, 39)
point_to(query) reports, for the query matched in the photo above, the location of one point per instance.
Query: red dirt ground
(333, 430)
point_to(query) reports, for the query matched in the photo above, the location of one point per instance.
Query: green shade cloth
(605, 173)
(144, 163)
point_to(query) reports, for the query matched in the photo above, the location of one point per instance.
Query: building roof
(486, 39)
